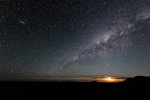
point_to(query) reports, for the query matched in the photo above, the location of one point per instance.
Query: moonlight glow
(109, 79)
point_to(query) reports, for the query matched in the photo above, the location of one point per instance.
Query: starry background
(74, 37)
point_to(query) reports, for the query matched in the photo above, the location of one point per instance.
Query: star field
(74, 37)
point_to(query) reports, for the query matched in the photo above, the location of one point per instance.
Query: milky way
(74, 37)
(117, 37)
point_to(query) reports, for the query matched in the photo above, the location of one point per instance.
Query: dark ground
(137, 88)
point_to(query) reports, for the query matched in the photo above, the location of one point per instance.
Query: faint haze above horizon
(74, 37)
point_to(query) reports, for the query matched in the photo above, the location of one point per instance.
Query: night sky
(74, 37)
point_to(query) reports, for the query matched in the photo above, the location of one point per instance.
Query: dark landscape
(137, 88)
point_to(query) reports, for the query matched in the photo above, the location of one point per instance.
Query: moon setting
(108, 79)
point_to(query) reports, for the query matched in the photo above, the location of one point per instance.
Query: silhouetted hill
(138, 80)
(137, 88)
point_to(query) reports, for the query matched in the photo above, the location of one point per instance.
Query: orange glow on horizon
(109, 79)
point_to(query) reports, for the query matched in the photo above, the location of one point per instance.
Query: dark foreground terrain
(137, 88)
